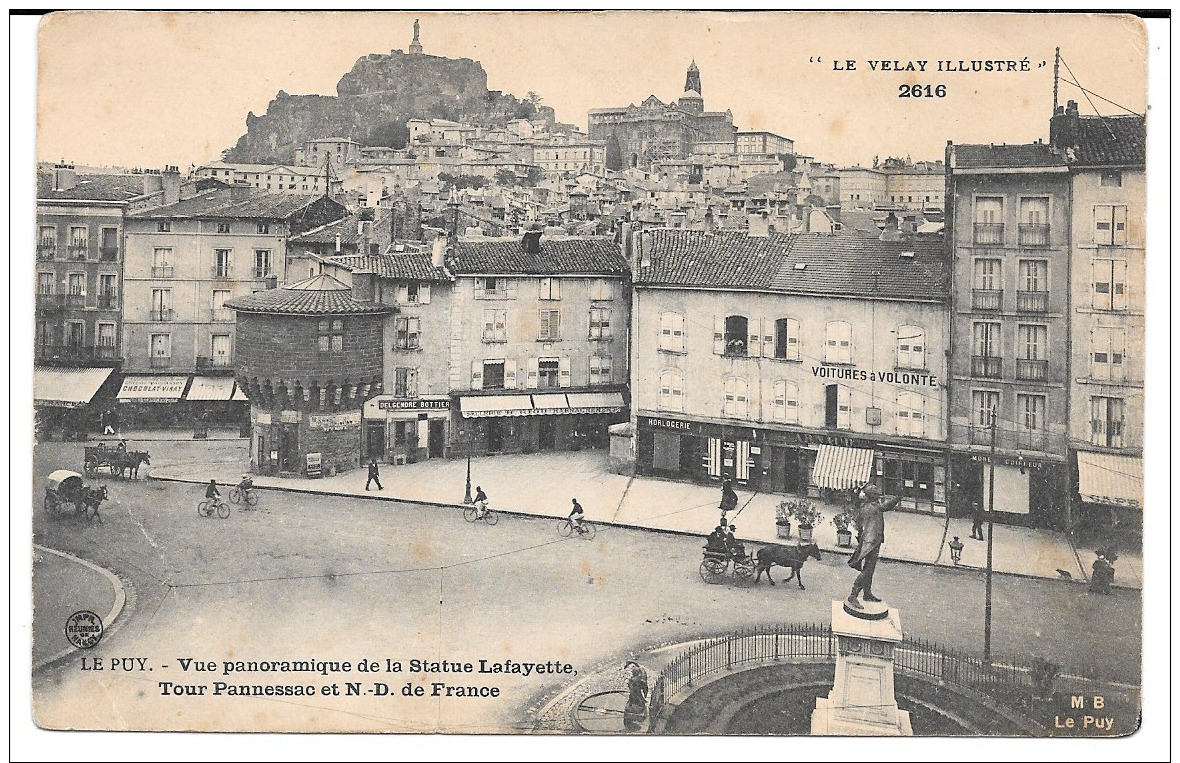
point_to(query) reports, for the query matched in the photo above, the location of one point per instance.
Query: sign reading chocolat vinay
(387, 595)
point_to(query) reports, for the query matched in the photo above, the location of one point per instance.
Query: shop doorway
(289, 447)
(375, 439)
(436, 438)
(495, 438)
(786, 472)
(546, 434)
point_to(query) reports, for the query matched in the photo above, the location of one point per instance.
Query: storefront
(306, 443)
(215, 401)
(150, 402)
(1110, 493)
(67, 401)
(400, 430)
(1031, 492)
(533, 422)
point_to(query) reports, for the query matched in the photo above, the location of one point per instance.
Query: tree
(534, 98)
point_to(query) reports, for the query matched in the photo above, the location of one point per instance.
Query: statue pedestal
(862, 702)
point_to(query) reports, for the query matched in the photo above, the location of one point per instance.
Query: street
(336, 579)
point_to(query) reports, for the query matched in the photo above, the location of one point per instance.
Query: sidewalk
(63, 585)
(178, 433)
(544, 484)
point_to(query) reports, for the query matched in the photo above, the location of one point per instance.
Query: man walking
(870, 524)
(374, 475)
(977, 516)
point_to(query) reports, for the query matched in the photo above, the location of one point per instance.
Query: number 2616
(921, 91)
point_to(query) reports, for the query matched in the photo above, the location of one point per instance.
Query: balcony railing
(108, 301)
(219, 272)
(106, 352)
(1032, 370)
(989, 234)
(76, 301)
(1033, 235)
(162, 314)
(76, 251)
(75, 352)
(221, 315)
(1009, 440)
(987, 300)
(221, 361)
(161, 361)
(46, 251)
(162, 271)
(1032, 301)
(108, 254)
(986, 366)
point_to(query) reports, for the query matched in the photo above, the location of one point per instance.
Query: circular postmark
(84, 629)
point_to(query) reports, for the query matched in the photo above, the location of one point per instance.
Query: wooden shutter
(843, 407)
(718, 335)
(510, 287)
(403, 293)
(1119, 221)
(768, 337)
(779, 408)
(532, 373)
(424, 294)
(479, 292)
(510, 373)
(754, 346)
(477, 374)
(713, 457)
(564, 377)
(412, 382)
(1118, 286)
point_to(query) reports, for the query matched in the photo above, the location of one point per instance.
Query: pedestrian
(977, 517)
(636, 710)
(1102, 576)
(729, 499)
(374, 475)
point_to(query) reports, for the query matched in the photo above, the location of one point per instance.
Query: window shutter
(768, 337)
(412, 382)
(563, 372)
(903, 413)
(1120, 225)
(555, 324)
(1118, 287)
(477, 374)
(424, 294)
(479, 293)
(754, 346)
(555, 288)
(532, 373)
(843, 407)
(510, 374)
(510, 287)
(778, 413)
(403, 293)
(918, 417)
(666, 336)
(718, 335)
(501, 330)
(791, 403)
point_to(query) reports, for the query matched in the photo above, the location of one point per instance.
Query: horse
(92, 498)
(130, 462)
(785, 556)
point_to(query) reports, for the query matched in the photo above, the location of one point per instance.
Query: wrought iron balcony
(108, 301)
(1032, 301)
(162, 271)
(46, 251)
(221, 315)
(161, 314)
(221, 361)
(1008, 440)
(220, 272)
(986, 366)
(989, 234)
(1032, 235)
(76, 251)
(987, 300)
(1032, 370)
(161, 361)
(108, 254)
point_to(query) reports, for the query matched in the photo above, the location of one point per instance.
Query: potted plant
(782, 519)
(808, 516)
(843, 521)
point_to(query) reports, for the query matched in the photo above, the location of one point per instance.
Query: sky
(148, 89)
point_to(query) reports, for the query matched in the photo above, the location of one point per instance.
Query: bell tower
(692, 81)
(691, 101)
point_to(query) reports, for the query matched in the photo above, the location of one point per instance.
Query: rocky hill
(374, 101)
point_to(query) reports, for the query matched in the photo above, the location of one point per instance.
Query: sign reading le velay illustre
(366, 409)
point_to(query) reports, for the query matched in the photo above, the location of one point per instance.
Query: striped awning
(839, 468)
(153, 389)
(211, 388)
(1110, 479)
(484, 406)
(595, 402)
(67, 387)
(551, 404)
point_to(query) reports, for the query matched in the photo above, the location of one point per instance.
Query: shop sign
(808, 438)
(916, 378)
(690, 427)
(263, 418)
(334, 422)
(414, 404)
(289, 417)
(1025, 463)
(315, 465)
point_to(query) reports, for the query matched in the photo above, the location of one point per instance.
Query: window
(600, 323)
(162, 256)
(161, 304)
(331, 335)
(671, 391)
(1106, 353)
(911, 414)
(550, 288)
(548, 372)
(75, 333)
(1034, 222)
(164, 226)
(600, 369)
(161, 346)
(786, 402)
(406, 334)
(911, 347)
(405, 382)
(78, 242)
(1112, 179)
(106, 291)
(989, 220)
(264, 228)
(987, 274)
(838, 342)
(671, 332)
(48, 237)
(77, 284)
(1110, 284)
(600, 289)
(106, 339)
(495, 325)
(261, 263)
(737, 398)
(493, 374)
(1110, 224)
(1030, 415)
(786, 339)
(223, 227)
(220, 313)
(987, 339)
(1032, 344)
(984, 403)
(732, 337)
(402, 432)
(550, 323)
(222, 263)
(494, 288)
(219, 350)
(413, 293)
(1106, 421)
(45, 283)
(837, 406)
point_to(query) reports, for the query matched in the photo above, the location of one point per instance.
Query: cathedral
(638, 136)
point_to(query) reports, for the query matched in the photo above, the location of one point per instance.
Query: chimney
(710, 225)
(272, 282)
(1065, 126)
(759, 225)
(645, 249)
(438, 251)
(363, 285)
(625, 240)
(151, 182)
(64, 177)
(531, 243)
(891, 233)
(170, 183)
(337, 243)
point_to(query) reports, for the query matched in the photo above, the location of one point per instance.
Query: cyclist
(577, 514)
(481, 502)
(213, 494)
(246, 484)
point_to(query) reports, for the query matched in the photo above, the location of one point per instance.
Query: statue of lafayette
(870, 524)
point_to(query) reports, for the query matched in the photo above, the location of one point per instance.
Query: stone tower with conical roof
(691, 101)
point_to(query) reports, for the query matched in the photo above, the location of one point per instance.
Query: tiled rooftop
(217, 203)
(401, 266)
(319, 295)
(92, 188)
(558, 255)
(1118, 140)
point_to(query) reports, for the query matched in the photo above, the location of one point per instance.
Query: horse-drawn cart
(716, 564)
(120, 461)
(65, 489)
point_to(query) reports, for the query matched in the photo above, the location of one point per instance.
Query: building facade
(572, 157)
(796, 364)
(762, 142)
(1010, 237)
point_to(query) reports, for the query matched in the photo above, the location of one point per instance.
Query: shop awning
(551, 404)
(67, 387)
(153, 389)
(1110, 479)
(239, 395)
(495, 405)
(838, 468)
(595, 402)
(211, 388)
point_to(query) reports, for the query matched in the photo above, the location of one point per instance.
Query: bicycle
(566, 528)
(247, 496)
(471, 513)
(204, 508)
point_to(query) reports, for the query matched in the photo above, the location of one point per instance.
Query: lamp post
(467, 447)
(991, 507)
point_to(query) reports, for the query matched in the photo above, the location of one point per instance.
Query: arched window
(671, 332)
(911, 414)
(786, 402)
(911, 347)
(786, 339)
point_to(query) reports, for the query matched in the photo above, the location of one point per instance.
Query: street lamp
(467, 447)
(956, 550)
(991, 533)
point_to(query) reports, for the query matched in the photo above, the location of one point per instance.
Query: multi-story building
(537, 342)
(762, 142)
(791, 363)
(570, 156)
(1107, 163)
(914, 185)
(320, 151)
(637, 136)
(276, 178)
(1009, 227)
(861, 187)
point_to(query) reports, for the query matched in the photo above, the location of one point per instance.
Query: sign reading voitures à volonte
(918, 378)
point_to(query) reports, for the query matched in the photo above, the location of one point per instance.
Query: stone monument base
(862, 701)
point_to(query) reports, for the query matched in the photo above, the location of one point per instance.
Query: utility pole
(991, 508)
(1056, 72)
